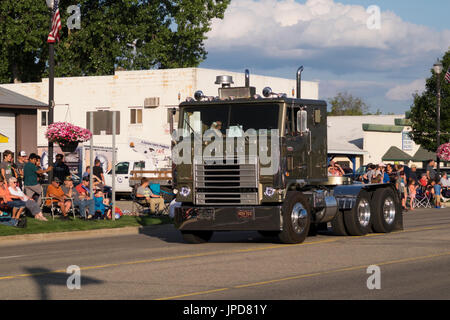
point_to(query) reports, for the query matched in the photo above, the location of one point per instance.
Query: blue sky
(331, 38)
(432, 13)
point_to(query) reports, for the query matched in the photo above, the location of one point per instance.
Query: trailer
(242, 161)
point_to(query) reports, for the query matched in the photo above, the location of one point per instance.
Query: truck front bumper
(228, 218)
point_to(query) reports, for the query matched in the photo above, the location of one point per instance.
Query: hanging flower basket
(443, 152)
(67, 135)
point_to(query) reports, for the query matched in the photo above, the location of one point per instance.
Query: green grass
(57, 225)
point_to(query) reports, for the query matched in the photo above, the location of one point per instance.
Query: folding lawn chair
(422, 199)
(139, 203)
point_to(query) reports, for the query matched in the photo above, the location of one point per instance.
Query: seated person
(80, 196)
(216, 127)
(55, 191)
(17, 206)
(144, 192)
(102, 208)
(445, 183)
(30, 204)
(423, 181)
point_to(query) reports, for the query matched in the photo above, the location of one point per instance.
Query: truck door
(296, 146)
(122, 176)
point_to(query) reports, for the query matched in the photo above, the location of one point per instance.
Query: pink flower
(443, 152)
(63, 132)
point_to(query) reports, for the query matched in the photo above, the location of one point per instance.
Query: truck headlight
(185, 191)
(269, 192)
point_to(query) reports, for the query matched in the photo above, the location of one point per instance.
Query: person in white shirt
(30, 204)
(445, 182)
(216, 128)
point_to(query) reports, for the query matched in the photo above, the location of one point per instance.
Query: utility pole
(437, 67)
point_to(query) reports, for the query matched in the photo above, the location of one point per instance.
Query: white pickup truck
(129, 172)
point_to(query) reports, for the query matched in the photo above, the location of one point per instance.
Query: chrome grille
(226, 182)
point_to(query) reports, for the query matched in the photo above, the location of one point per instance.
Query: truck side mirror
(302, 121)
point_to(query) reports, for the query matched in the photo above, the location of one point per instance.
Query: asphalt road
(413, 264)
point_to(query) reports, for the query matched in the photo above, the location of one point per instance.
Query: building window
(135, 116)
(44, 118)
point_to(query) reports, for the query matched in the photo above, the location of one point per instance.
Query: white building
(142, 98)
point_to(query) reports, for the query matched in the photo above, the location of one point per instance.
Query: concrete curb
(73, 235)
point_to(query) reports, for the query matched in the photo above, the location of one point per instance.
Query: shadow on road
(44, 279)
(168, 233)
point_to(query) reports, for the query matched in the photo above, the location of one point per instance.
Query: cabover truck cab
(246, 162)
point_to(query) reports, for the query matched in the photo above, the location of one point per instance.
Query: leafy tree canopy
(344, 104)
(127, 34)
(423, 113)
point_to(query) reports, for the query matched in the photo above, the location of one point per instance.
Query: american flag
(56, 24)
(447, 76)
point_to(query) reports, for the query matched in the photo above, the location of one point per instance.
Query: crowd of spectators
(409, 183)
(21, 189)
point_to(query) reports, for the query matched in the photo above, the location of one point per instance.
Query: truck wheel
(357, 221)
(296, 219)
(385, 210)
(269, 234)
(337, 224)
(196, 236)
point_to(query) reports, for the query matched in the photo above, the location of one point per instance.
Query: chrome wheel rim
(389, 210)
(364, 212)
(299, 217)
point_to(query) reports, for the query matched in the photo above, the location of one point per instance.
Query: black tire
(385, 210)
(196, 237)
(337, 224)
(269, 234)
(358, 220)
(295, 229)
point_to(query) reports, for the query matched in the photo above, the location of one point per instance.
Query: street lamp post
(437, 67)
(51, 87)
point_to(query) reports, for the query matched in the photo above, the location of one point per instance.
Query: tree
(128, 34)
(344, 104)
(23, 28)
(424, 111)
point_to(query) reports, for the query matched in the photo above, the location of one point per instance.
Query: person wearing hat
(21, 160)
(57, 196)
(413, 174)
(80, 196)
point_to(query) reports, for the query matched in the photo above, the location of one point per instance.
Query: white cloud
(322, 29)
(404, 92)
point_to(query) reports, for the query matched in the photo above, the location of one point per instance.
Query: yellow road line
(211, 253)
(310, 275)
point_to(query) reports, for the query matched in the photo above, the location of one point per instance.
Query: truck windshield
(231, 120)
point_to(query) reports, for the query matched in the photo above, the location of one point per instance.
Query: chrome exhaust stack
(299, 82)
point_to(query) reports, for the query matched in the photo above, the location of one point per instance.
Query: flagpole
(51, 93)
